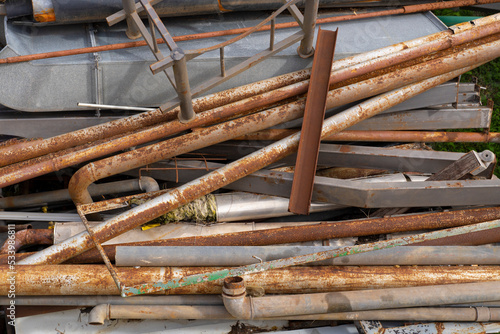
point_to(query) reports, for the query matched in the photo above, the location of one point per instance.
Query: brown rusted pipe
(95, 279)
(31, 168)
(136, 122)
(431, 43)
(351, 93)
(322, 231)
(28, 237)
(228, 32)
(386, 136)
(230, 173)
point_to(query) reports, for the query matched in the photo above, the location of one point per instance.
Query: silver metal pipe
(145, 183)
(306, 49)
(244, 307)
(101, 313)
(68, 229)
(183, 89)
(230, 173)
(242, 206)
(83, 301)
(132, 29)
(153, 256)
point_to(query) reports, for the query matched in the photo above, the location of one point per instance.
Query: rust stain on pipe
(314, 113)
(386, 136)
(321, 231)
(95, 279)
(28, 237)
(337, 97)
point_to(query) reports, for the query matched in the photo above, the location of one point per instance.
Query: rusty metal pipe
(136, 122)
(242, 307)
(28, 237)
(145, 183)
(100, 313)
(386, 136)
(103, 131)
(179, 145)
(95, 280)
(31, 168)
(321, 231)
(370, 87)
(231, 172)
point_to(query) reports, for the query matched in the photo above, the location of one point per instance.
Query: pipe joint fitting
(99, 314)
(235, 300)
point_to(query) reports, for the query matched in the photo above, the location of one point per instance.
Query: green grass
(488, 76)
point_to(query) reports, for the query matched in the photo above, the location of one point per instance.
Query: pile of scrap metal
(305, 201)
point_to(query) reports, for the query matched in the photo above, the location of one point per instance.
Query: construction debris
(226, 199)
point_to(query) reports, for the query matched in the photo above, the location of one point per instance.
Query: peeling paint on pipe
(95, 280)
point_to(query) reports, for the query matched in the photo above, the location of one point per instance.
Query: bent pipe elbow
(99, 314)
(235, 300)
(148, 184)
(79, 183)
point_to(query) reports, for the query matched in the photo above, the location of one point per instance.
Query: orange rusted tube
(387, 136)
(468, 57)
(136, 122)
(52, 162)
(95, 279)
(228, 32)
(322, 231)
(467, 32)
(28, 237)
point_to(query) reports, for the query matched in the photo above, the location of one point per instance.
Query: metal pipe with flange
(101, 313)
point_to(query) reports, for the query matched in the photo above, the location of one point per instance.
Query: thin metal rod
(222, 63)
(108, 106)
(271, 37)
(105, 258)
